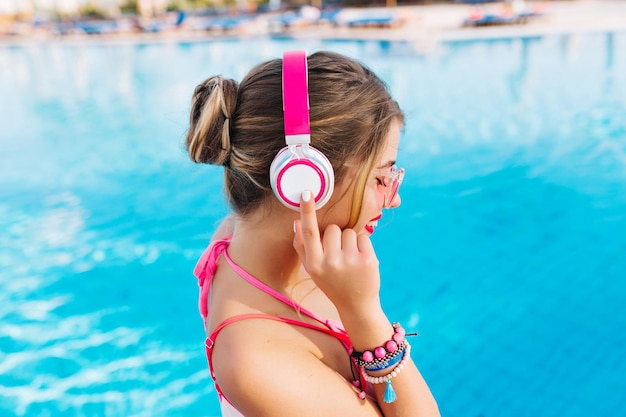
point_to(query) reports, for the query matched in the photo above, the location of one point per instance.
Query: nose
(397, 200)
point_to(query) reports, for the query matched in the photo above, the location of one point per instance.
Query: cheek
(376, 199)
(338, 208)
(380, 196)
(373, 202)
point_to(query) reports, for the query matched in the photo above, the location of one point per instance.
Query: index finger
(309, 227)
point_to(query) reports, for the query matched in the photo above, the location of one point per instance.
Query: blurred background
(403, 19)
(506, 255)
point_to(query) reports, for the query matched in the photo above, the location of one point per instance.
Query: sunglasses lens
(391, 195)
(393, 187)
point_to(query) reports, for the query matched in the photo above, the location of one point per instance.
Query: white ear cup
(296, 169)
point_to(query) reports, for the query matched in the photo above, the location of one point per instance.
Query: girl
(290, 283)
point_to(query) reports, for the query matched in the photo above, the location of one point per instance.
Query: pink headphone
(298, 166)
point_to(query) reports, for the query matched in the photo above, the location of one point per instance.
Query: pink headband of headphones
(296, 98)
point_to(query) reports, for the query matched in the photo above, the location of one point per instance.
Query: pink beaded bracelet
(378, 364)
(386, 351)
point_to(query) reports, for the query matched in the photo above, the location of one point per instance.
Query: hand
(342, 263)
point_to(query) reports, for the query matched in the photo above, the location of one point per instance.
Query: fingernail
(306, 196)
(294, 226)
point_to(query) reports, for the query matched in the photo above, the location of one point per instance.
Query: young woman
(290, 283)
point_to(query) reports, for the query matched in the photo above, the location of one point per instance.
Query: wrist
(382, 363)
(367, 330)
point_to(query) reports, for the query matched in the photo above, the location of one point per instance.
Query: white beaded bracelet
(390, 394)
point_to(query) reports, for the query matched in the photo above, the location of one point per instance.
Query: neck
(262, 244)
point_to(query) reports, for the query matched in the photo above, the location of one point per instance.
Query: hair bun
(212, 105)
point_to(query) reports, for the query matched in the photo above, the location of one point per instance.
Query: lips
(369, 227)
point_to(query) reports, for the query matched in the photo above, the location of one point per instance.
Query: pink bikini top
(205, 270)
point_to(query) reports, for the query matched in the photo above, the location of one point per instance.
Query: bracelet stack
(392, 356)
(390, 394)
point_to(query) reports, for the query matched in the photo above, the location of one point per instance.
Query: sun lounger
(366, 18)
(96, 27)
(513, 12)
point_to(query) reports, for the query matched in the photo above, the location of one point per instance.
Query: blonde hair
(240, 126)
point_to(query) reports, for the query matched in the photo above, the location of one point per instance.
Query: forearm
(370, 328)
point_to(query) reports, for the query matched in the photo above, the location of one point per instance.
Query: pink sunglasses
(392, 183)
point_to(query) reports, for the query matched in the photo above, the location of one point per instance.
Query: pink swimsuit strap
(207, 264)
(210, 341)
(205, 270)
(331, 324)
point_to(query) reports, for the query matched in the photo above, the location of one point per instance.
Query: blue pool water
(508, 253)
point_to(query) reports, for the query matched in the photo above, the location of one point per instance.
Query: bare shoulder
(269, 368)
(225, 228)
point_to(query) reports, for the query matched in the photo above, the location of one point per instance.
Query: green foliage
(174, 5)
(90, 9)
(198, 4)
(129, 6)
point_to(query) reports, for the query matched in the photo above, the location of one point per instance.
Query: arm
(370, 328)
(268, 369)
(343, 253)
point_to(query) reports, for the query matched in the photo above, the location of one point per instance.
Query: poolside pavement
(424, 25)
(431, 23)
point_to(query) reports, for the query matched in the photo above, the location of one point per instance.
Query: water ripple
(55, 359)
